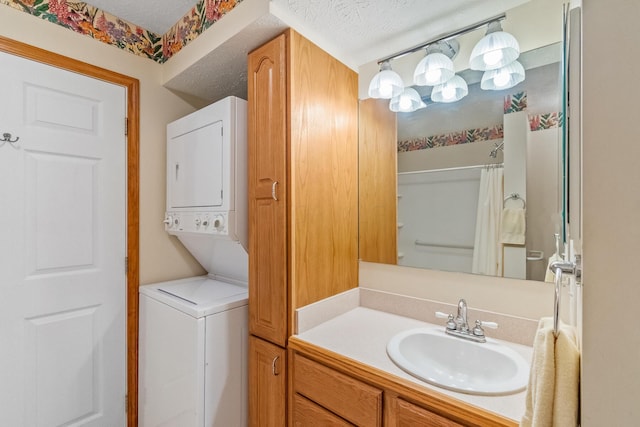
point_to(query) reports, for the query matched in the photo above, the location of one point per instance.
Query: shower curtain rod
(459, 168)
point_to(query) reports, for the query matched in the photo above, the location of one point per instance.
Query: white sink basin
(456, 364)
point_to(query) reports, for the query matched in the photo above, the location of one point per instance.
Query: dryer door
(195, 168)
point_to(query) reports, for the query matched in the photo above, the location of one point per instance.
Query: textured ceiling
(362, 26)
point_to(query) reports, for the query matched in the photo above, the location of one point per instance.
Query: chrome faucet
(461, 318)
(459, 326)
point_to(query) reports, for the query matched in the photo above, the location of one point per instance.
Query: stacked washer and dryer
(194, 332)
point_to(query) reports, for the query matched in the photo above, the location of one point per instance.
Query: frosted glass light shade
(434, 69)
(386, 84)
(453, 90)
(408, 101)
(495, 50)
(503, 78)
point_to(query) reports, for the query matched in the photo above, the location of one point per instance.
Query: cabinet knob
(274, 367)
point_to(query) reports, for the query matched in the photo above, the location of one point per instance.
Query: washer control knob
(168, 221)
(218, 222)
(176, 222)
(197, 222)
(205, 222)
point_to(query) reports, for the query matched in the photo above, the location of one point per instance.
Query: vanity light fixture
(437, 66)
(407, 102)
(495, 53)
(495, 50)
(503, 78)
(451, 91)
(386, 84)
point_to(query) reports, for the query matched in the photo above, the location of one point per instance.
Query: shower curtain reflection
(487, 253)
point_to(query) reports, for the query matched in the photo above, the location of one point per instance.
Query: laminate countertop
(361, 334)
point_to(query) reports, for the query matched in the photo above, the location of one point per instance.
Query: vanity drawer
(403, 413)
(308, 414)
(353, 400)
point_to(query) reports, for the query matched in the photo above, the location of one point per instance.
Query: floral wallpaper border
(545, 121)
(536, 122)
(515, 102)
(453, 138)
(512, 103)
(107, 28)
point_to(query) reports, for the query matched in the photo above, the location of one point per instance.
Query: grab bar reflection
(419, 242)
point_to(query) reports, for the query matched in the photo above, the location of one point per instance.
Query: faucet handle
(479, 332)
(451, 324)
(491, 325)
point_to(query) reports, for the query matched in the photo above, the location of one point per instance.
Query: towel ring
(514, 196)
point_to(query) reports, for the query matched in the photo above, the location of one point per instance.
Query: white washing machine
(193, 332)
(193, 353)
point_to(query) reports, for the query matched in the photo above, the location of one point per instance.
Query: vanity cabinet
(328, 386)
(303, 195)
(307, 413)
(351, 399)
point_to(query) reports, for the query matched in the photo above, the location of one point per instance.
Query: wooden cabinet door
(267, 384)
(267, 163)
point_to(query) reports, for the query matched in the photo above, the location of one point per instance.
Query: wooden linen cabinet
(303, 201)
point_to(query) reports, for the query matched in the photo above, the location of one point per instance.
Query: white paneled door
(62, 248)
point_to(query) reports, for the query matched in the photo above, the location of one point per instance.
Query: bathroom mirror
(443, 148)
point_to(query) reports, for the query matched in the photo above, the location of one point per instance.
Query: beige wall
(611, 213)
(161, 257)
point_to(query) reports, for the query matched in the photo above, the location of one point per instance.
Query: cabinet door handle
(274, 196)
(274, 368)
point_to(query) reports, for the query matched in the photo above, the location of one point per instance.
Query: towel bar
(558, 268)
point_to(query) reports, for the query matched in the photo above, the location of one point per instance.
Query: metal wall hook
(6, 137)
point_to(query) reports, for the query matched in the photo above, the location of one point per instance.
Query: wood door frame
(132, 86)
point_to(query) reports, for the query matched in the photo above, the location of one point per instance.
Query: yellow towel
(553, 391)
(550, 275)
(513, 226)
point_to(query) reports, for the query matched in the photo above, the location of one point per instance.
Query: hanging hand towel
(552, 392)
(513, 226)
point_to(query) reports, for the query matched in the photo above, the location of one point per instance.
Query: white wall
(161, 257)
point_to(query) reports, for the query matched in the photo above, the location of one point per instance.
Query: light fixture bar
(460, 32)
